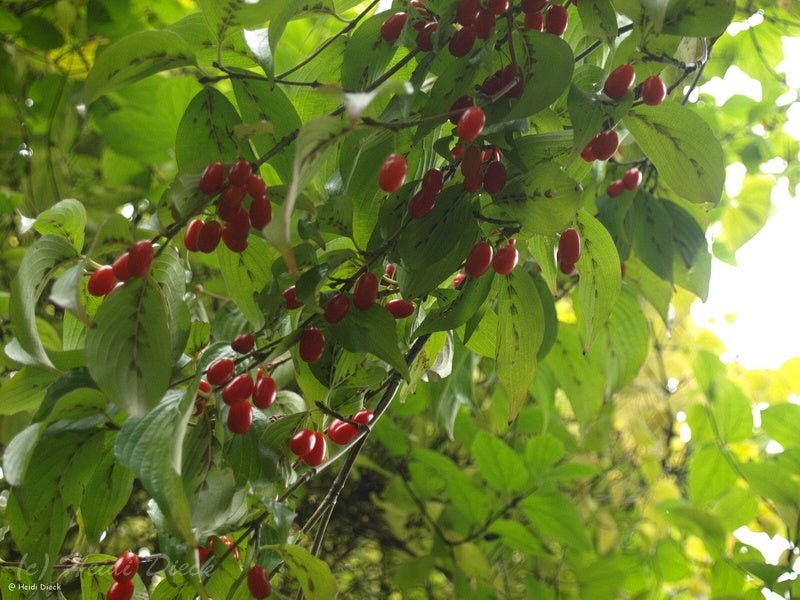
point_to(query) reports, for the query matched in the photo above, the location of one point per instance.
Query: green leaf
(169, 275)
(260, 102)
(129, 350)
(772, 481)
(555, 516)
(246, 274)
(315, 577)
(498, 463)
(18, 453)
(516, 536)
(694, 521)
(25, 390)
(289, 11)
(226, 18)
(599, 19)
(710, 475)
(151, 447)
(542, 452)
(372, 331)
(106, 493)
(683, 148)
(543, 201)
(698, 18)
(66, 219)
(41, 261)
(550, 317)
(207, 132)
(781, 422)
(600, 276)
(366, 55)
(135, 57)
(520, 330)
(547, 63)
(9, 22)
(460, 309)
(652, 235)
(541, 248)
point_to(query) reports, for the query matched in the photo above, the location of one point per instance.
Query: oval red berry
(240, 388)
(232, 241)
(653, 91)
(212, 178)
(505, 259)
(258, 582)
(120, 590)
(393, 173)
(243, 343)
(341, 433)
(102, 281)
(240, 418)
(190, 238)
(479, 259)
(336, 308)
(290, 298)
(421, 204)
(366, 291)
(619, 82)
(393, 26)
(632, 179)
(209, 237)
(260, 212)
(605, 144)
(125, 567)
(400, 308)
(265, 392)
(569, 246)
(219, 371)
(461, 42)
(615, 188)
(471, 124)
(302, 442)
(120, 268)
(239, 172)
(140, 258)
(494, 180)
(255, 186)
(315, 457)
(556, 20)
(312, 344)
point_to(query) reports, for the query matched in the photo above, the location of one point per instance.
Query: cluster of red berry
(483, 255)
(569, 251)
(242, 182)
(554, 21)
(237, 390)
(483, 169)
(123, 571)
(310, 446)
(617, 84)
(136, 262)
(631, 180)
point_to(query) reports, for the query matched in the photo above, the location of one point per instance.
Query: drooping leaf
(313, 574)
(135, 57)
(460, 309)
(500, 465)
(555, 516)
(66, 218)
(683, 148)
(698, 18)
(246, 274)
(653, 235)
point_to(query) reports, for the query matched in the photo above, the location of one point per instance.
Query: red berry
(315, 457)
(125, 567)
(232, 241)
(239, 172)
(102, 281)
(120, 590)
(260, 212)
(653, 91)
(391, 28)
(240, 388)
(240, 417)
(192, 234)
(498, 7)
(495, 178)
(632, 178)
(569, 246)
(219, 371)
(458, 107)
(400, 308)
(312, 344)
(461, 42)
(363, 417)
(467, 11)
(532, 6)
(243, 343)
(340, 432)
(473, 182)
(212, 178)
(507, 75)
(203, 388)
(231, 202)
(619, 82)
(199, 406)
(425, 36)
(209, 237)
(393, 173)
(458, 280)
(421, 204)
(121, 269)
(605, 144)
(255, 186)
(615, 188)
(302, 442)
(567, 268)
(555, 21)
(365, 292)
(290, 298)
(587, 153)
(479, 259)
(140, 258)
(505, 259)
(240, 225)
(432, 181)
(258, 582)
(484, 24)
(265, 392)
(336, 308)
(471, 163)
(471, 124)
(457, 151)
(535, 21)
